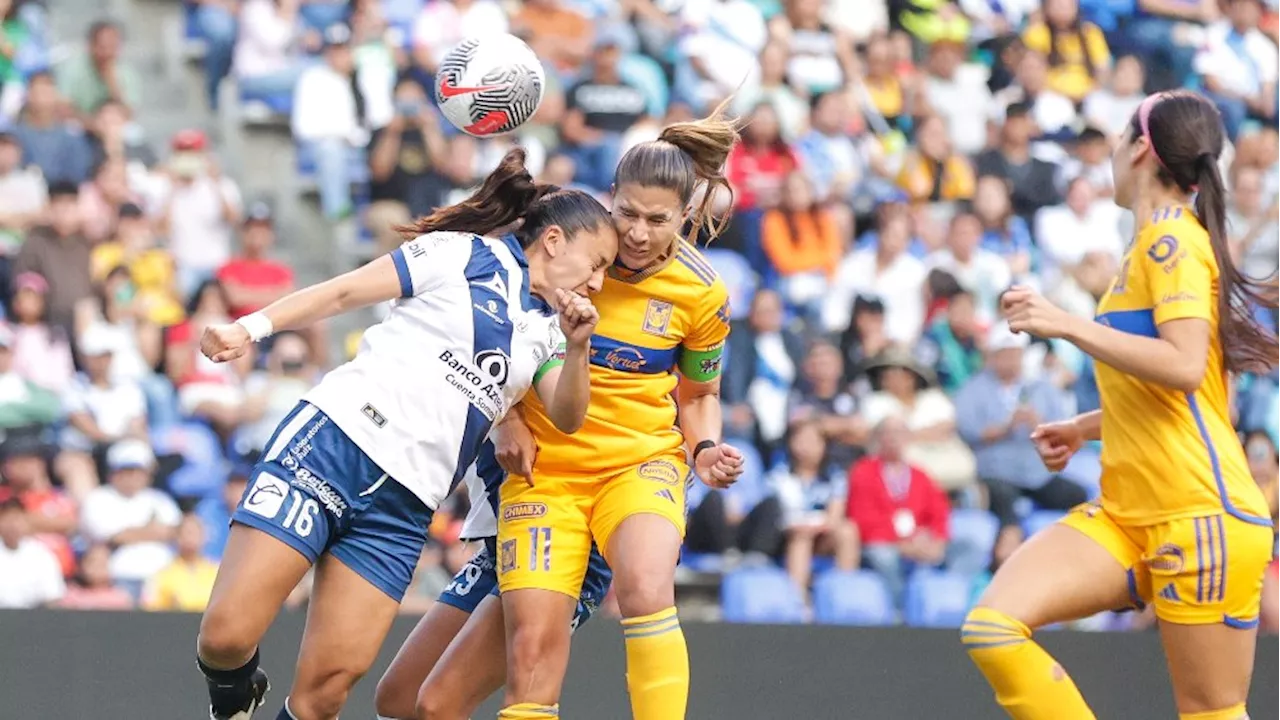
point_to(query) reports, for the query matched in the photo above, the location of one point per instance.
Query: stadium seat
(852, 598)
(973, 535)
(761, 595)
(937, 599)
(1039, 520)
(204, 468)
(702, 562)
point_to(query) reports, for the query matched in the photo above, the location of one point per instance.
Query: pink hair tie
(1144, 120)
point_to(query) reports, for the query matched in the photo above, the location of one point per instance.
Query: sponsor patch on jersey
(623, 358)
(332, 501)
(723, 314)
(480, 380)
(508, 555)
(1163, 249)
(663, 471)
(657, 317)
(523, 511)
(372, 413)
(1179, 297)
(1168, 558)
(266, 496)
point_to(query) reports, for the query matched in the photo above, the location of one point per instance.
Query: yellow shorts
(1197, 571)
(545, 529)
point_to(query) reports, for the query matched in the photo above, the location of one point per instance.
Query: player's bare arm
(718, 464)
(566, 390)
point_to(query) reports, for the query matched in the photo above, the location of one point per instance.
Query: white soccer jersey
(483, 480)
(461, 347)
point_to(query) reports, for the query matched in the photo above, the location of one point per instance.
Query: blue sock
(230, 691)
(284, 712)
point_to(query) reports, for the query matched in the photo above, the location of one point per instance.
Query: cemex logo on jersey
(481, 380)
(266, 496)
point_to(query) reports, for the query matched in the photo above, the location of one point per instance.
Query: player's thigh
(397, 691)
(471, 669)
(1207, 573)
(1069, 570)
(544, 537)
(639, 522)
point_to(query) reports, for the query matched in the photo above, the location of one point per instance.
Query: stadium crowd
(903, 163)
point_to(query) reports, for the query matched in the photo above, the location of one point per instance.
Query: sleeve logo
(1163, 249)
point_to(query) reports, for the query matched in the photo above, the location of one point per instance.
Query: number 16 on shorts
(539, 554)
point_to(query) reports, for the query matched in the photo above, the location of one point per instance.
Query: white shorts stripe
(289, 431)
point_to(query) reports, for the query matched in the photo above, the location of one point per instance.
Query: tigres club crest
(657, 316)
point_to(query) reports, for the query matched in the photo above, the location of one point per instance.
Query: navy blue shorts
(317, 492)
(479, 578)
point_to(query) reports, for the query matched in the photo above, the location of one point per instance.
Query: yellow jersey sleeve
(702, 350)
(1179, 271)
(1036, 37)
(1096, 45)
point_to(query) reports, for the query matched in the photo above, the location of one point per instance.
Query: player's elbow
(1188, 377)
(568, 422)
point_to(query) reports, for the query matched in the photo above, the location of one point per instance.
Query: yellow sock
(1027, 681)
(1235, 712)
(657, 666)
(528, 711)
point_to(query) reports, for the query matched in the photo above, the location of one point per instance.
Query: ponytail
(1246, 346)
(504, 197)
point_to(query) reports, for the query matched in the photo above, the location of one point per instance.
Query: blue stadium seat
(937, 599)
(702, 562)
(852, 598)
(973, 535)
(1039, 520)
(204, 468)
(761, 595)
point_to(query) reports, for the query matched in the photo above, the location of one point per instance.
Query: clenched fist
(578, 317)
(224, 343)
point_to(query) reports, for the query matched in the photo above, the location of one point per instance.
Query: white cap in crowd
(130, 455)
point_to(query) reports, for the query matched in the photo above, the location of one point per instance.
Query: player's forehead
(647, 199)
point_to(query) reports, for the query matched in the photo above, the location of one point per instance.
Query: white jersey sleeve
(427, 262)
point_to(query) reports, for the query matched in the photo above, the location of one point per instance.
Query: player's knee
(323, 694)
(224, 641)
(985, 627)
(393, 698)
(436, 705)
(533, 643)
(640, 596)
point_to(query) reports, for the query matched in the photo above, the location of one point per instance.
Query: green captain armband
(701, 365)
(556, 360)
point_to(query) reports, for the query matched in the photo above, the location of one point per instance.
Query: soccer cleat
(259, 685)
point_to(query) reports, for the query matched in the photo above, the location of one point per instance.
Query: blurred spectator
(743, 520)
(1031, 181)
(149, 267)
(271, 395)
(772, 88)
(1053, 115)
(442, 25)
(998, 410)
(834, 162)
(958, 94)
(1090, 159)
(864, 338)
(208, 390)
(821, 57)
(254, 280)
(22, 402)
(264, 62)
(137, 520)
(102, 409)
(983, 273)
(1077, 51)
(1112, 105)
(887, 271)
(1264, 465)
(330, 119)
(998, 19)
(721, 41)
(802, 241)
(31, 577)
(889, 94)
(201, 208)
(102, 198)
(1252, 225)
(1166, 34)
(48, 142)
(137, 340)
(1067, 232)
(408, 164)
(1003, 233)
(953, 342)
(822, 399)
(760, 165)
(931, 20)
(92, 588)
(51, 514)
(1238, 66)
(215, 512)
(905, 389)
(900, 514)
(14, 35)
(41, 354)
(114, 135)
(22, 197)
(757, 382)
(813, 503)
(934, 172)
(90, 78)
(186, 583)
(558, 33)
(600, 109)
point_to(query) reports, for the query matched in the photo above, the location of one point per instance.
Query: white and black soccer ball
(490, 85)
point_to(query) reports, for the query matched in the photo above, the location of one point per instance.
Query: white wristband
(258, 326)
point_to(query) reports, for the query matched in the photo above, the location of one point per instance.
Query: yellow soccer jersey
(1168, 454)
(671, 318)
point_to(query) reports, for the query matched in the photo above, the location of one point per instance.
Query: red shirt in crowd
(50, 504)
(255, 275)
(889, 507)
(758, 171)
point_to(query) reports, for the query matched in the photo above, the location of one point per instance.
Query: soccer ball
(490, 85)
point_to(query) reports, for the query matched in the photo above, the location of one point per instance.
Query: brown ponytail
(503, 198)
(686, 155)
